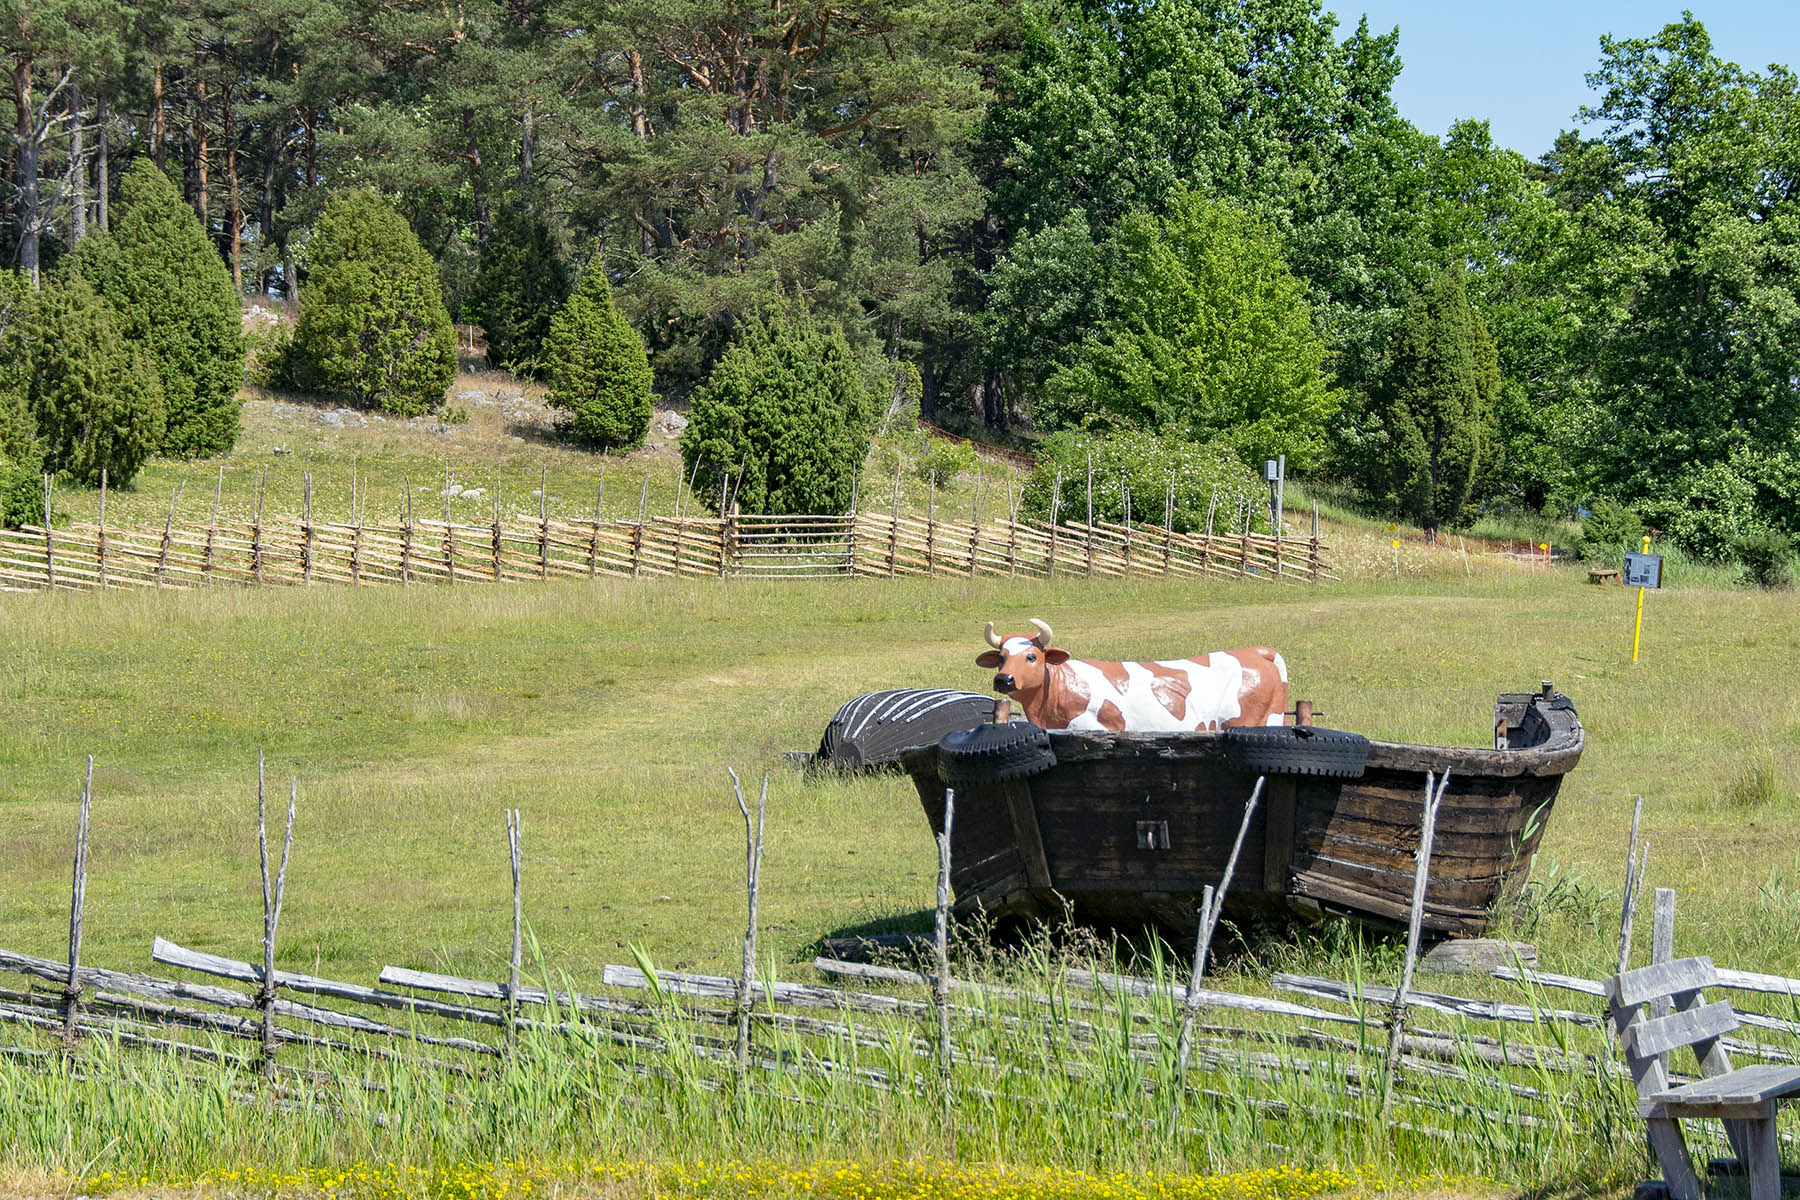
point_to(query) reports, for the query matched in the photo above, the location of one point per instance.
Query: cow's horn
(1044, 634)
(993, 639)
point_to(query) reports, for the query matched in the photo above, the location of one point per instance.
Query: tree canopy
(1207, 333)
(974, 192)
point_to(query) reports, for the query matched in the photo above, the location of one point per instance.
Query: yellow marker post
(1396, 556)
(1638, 630)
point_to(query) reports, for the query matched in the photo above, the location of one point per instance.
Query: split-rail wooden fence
(299, 550)
(864, 1034)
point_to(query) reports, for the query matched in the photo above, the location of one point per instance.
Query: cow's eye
(1031, 658)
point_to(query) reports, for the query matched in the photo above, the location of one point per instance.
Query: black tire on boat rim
(994, 753)
(1295, 750)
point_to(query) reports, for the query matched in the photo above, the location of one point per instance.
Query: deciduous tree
(1204, 332)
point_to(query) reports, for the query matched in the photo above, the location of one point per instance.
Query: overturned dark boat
(1127, 828)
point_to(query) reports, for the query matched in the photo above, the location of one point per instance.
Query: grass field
(609, 713)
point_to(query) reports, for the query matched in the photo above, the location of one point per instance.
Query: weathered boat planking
(1129, 827)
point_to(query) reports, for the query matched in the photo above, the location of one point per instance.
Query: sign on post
(1643, 570)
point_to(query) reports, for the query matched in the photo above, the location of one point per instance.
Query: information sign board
(1643, 570)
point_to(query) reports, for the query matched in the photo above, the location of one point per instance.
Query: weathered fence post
(850, 537)
(1168, 526)
(975, 525)
(1634, 878)
(1244, 543)
(494, 550)
(1212, 904)
(272, 897)
(931, 525)
(100, 541)
(449, 529)
(753, 846)
(543, 522)
(49, 545)
(724, 525)
(893, 555)
(1421, 873)
(637, 534)
(1125, 508)
(594, 537)
(256, 527)
(1012, 533)
(406, 534)
(306, 533)
(1312, 562)
(1088, 533)
(212, 526)
(1278, 539)
(162, 554)
(77, 907)
(515, 961)
(356, 529)
(940, 984)
(1212, 508)
(1055, 516)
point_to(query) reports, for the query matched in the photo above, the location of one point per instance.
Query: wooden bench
(1603, 575)
(1744, 1099)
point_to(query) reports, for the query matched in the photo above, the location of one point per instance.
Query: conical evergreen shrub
(372, 319)
(96, 397)
(596, 367)
(1438, 409)
(522, 283)
(21, 458)
(173, 296)
(787, 409)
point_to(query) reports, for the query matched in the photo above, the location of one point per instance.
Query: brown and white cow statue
(1225, 687)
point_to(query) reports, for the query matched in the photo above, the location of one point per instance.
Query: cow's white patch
(1213, 689)
(1281, 666)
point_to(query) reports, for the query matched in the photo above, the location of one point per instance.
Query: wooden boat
(1127, 828)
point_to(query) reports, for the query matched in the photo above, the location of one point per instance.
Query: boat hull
(1129, 828)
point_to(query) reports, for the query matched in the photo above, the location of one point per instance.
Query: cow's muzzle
(1003, 683)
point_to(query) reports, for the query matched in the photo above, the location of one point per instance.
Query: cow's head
(1021, 664)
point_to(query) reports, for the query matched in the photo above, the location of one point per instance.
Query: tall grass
(1072, 1081)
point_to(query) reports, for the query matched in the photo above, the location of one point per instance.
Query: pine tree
(96, 398)
(597, 368)
(523, 281)
(1439, 403)
(785, 416)
(372, 318)
(172, 294)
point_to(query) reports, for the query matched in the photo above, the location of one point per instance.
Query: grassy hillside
(608, 714)
(503, 442)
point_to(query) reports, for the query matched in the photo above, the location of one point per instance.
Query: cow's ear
(992, 658)
(1056, 656)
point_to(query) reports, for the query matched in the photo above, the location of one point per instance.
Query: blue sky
(1523, 65)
